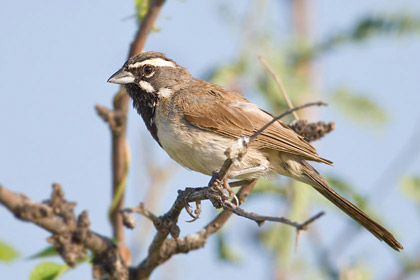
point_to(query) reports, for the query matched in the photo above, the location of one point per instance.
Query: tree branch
(117, 120)
(71, 237)
(162, 249)
(279, 84)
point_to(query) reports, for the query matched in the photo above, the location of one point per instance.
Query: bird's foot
(196, 213)
(230, 191)
(220, 188)
(185, 197)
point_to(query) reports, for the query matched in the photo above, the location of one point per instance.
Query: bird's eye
(147, 70)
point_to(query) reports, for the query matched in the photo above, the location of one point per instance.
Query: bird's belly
(196, 150)
(204, 151)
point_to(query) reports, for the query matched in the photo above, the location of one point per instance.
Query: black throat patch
(145, 104)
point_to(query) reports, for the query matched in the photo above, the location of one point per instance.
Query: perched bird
(195, 121)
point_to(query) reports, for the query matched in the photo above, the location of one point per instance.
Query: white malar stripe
(164, 92)
(153, 62)
(146, 86)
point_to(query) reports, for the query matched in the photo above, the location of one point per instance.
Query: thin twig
(319, 103)
(129, 221)
(208, 193)
(304, 225)
(279, 84)
(260, 219)
(163, 249)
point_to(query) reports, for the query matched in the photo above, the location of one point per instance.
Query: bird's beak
(121, 77)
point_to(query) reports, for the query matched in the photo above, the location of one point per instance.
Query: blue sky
(57, 56)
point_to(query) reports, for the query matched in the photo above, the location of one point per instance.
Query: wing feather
(229, 114)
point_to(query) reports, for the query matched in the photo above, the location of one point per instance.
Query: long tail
(321, 185)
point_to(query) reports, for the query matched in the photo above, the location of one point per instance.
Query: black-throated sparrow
(195, 121)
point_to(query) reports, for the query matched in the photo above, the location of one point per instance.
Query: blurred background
(362, 57)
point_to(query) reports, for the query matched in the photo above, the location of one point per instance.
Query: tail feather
(321, 185)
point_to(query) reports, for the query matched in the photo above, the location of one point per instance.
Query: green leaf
(226, 252)
(141, 8)
(48, 271)
(411, 187)
(364, 29)
(50, 251)
(7, 252)
(358, 108)
(394, 24)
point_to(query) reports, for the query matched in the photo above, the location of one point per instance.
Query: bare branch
(319, 103)
(220, 201)
(117, 120)
(260, 219)
(127, 218)
(279, 84)
(146, 26)
(162, 249)
(71, 237)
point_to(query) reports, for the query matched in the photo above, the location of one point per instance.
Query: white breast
(191, 147)
(197, 149)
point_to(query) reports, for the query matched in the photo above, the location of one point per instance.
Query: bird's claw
(231, 192)
(197, 211)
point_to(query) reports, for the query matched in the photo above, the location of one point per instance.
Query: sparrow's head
(151, 74)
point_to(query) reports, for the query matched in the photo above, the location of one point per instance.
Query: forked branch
(70, 236)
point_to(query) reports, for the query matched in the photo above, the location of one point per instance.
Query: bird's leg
(239, 183)
(235, 173)
(215, 182)
(216, 185)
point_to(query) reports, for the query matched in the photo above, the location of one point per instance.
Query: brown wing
(229, 114)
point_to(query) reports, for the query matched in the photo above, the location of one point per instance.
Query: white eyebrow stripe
(146, 86)
(153, 62)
